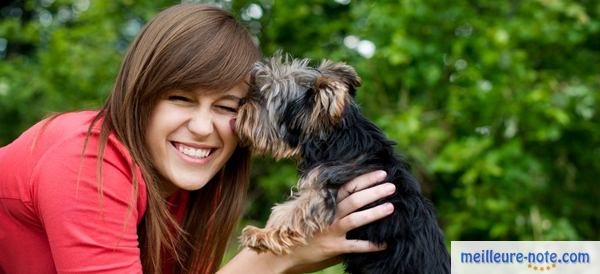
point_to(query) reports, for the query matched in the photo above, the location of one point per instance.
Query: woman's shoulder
(57, 135)
(67, 135)
(48, 163)
(50, 131)
(54, 147)
(66, 124)
(66, 159)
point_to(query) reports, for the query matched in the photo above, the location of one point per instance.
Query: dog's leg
(294, 222)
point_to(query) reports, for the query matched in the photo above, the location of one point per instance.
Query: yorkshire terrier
(294, 110)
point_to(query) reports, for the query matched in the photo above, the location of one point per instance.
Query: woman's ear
(342, 73)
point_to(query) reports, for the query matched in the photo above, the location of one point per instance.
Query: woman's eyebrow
(231, 97)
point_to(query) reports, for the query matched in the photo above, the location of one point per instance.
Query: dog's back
(415, 241)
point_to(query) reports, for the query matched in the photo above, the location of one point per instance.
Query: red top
(50, 223)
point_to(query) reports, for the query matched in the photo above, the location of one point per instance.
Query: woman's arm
(248, 262)
(324, 249)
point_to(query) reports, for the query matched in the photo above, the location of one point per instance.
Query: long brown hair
(187, 46)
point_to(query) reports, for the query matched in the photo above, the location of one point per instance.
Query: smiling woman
(190, 132)
(154, 181)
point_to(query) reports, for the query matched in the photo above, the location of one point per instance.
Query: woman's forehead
(238, 90)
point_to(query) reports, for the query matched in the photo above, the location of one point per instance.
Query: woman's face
(189, 135)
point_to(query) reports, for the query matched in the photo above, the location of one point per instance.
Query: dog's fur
(294, 110)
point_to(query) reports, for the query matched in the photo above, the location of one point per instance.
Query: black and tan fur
(294, 110)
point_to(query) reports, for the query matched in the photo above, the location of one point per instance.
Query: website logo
(516, 257)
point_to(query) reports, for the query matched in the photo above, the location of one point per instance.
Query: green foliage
(493, 102)
(61, 56)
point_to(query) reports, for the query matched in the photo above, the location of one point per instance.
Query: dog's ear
(329, 97)
(332, 91)
(342, 73)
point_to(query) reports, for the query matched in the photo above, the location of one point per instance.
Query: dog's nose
(232, 125)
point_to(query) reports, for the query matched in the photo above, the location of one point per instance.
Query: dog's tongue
(232, 125)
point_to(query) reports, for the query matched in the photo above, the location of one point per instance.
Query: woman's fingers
(364, 217)
(362, 198)
(361, 182)
(360, 246)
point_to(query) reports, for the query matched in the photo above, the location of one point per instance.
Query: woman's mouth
(193, 152)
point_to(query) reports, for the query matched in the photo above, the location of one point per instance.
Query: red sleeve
(87, 233)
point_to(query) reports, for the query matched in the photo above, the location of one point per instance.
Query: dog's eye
(179, 98)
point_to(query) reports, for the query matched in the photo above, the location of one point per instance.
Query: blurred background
(495, 103)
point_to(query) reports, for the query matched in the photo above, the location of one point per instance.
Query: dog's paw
(253, 237)
(277, 241)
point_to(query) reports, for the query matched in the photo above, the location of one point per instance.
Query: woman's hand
(324, 248)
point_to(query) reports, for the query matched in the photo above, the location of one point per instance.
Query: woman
(154, 181)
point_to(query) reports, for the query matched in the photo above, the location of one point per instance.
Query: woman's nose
(201, 123)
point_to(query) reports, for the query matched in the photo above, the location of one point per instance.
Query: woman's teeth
(193, 152)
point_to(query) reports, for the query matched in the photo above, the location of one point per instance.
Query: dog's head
(290, 101)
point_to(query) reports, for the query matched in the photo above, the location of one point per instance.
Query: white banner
(525, 257)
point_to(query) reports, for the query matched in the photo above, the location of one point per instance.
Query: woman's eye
(228, 109)
(179, 98)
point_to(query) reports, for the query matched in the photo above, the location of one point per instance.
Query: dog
(294, 110)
